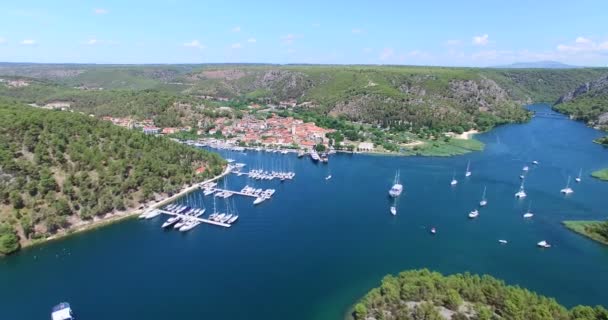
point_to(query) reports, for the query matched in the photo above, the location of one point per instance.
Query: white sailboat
(525, 168)
(503, 241)
(580, 172)
(521, 193)
(394, 210)
(483, 201)
(567, 190)
(529, 213)
(454, 181)
(543, 244)
(328, 177)
(474, 214)
(397, 187)
(468, 172)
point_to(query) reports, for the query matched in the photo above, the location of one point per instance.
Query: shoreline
(580, 227)
(118, 217)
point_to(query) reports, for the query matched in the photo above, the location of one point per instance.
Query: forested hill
(588, 102)
(58, 169)
(421, 294)
(397, 97)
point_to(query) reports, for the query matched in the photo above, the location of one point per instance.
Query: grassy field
(586, 228)
(601, 174)
(452, 147)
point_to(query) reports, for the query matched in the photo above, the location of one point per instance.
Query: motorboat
(393, 210)
(543, 244)
(474, 214)
(62, 311)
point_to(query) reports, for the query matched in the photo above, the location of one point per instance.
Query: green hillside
(421, 294)
(60, 168)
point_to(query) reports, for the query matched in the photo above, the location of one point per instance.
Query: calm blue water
(319, 245)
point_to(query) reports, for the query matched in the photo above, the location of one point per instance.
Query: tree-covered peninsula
(426, 295)
(62, 169)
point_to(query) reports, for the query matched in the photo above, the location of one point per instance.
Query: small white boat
(62, 311)
(521, 193)
(190, 225)
(525, 168)
(328, 177)
(483, 201)
(259, 200)
(393, 210)
(567, 190)
(454, 181)
(474, 214)
(433, 230)
(543, 244)
(529, 213)
(208, 192)
(534, 162)
(233, 219)
(521, 176)
(578, 179)
(503, 241)
(153, 214)
(397, 187)
(468, 172)
(171, 221)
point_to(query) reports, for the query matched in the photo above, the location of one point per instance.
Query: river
(319, 245)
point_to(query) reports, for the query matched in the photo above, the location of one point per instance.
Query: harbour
(325, 242)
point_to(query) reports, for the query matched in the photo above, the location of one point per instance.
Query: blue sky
(428, 32)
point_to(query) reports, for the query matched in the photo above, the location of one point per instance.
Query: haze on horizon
(471, 33)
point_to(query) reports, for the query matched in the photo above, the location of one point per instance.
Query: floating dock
(203, 220)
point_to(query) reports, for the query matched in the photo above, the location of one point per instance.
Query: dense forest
(426, 295)
(60, 168)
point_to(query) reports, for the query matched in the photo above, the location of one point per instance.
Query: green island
(62, 170)
(600, 174)
(596, 230)
(426, 295)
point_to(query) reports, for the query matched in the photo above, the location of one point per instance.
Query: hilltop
(421, 294)
(539, 65)
(59, 170)
(588, 102)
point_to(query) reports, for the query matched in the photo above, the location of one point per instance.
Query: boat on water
(483, 201)
(529, 213)
(474, 214)
(503, 241)
(324, 158)
(578, 179)
(394, 210)
(534, 162)
(189, 225)
(543, 244)
(233, 219)
(153, 214)
(525, 168)
(301, 153)
(328, 177)
(454, 181)
(230, 160)
(259, 200)
(208, 192)
(171, 221)
(62, 311)
(521, 193)
(567, 190)
(397, 187)
(468, 172)
(314, 156)
(433, 230)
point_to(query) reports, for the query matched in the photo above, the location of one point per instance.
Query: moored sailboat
(468, 172)
(567, 190)
(397, 187)
(483, 201)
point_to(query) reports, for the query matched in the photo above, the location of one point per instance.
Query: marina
(273, 247)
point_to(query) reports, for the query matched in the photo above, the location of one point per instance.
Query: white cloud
(453, 42)
(2, 40)
(100, 11)
(236, 46)
(289, 39)
(386, 54)
(480, 40)
(583, 45)
(252, 40)
(356, 31)
(236, 29)
(194, 44)
(28, 42)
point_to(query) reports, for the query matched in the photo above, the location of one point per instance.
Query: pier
(203, 220)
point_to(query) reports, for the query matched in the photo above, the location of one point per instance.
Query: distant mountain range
(538, 65)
